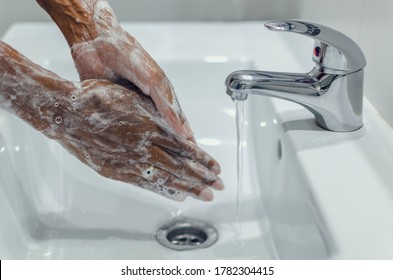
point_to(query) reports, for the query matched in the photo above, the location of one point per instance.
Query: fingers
(181, 167)
(173, 184)
(129, 60)
(188, 150)
(164, 97)
(139, 181)
(159, 181)
(166, 102)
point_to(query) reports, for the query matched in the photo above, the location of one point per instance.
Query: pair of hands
(123, 119)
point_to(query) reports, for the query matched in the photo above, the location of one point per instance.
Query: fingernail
(215, 167)
(218, 184)
(206, 194)
(191, 139)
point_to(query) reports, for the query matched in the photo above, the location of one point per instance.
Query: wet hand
(118, 132)
(102, 49)
(114, 129)
(117, 56)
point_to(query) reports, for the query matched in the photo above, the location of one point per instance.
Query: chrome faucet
(332, 90)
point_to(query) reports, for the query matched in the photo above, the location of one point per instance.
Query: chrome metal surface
(332, 90)
(187, 235)
(334, 49)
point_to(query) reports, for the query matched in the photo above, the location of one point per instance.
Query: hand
(114, 129)
(119, 133)
(123, 58)
(101, 49)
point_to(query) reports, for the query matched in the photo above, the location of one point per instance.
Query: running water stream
(240, 154)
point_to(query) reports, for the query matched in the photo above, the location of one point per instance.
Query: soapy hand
(118, 132)
(102, 49)
(118, 56)
(123, 120)
(113, 128)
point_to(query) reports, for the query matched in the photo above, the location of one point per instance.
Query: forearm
(29, 91)
(80, 20)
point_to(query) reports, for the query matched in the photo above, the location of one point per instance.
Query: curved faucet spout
(314, 83)
(339, 110)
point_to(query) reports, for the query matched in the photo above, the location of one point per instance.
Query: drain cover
(187, 235)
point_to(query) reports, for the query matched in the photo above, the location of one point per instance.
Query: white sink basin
(307, 193)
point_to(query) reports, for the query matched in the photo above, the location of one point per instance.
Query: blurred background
(165, 10)
(368, 22)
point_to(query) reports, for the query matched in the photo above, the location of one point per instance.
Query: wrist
(81, 20)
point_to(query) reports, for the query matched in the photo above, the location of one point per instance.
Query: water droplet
(58, 120)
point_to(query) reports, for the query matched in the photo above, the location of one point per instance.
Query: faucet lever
(332, 49)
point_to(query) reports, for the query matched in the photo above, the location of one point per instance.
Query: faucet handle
(332, 49)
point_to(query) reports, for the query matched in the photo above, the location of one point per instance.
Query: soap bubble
(148, 143)
(58, 120)
(171, 191)
(148, 173)
(160, 181)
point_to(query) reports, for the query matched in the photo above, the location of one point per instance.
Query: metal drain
(187, 235)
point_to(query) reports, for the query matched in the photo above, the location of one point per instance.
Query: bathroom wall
(368, 22)
(164, 10)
